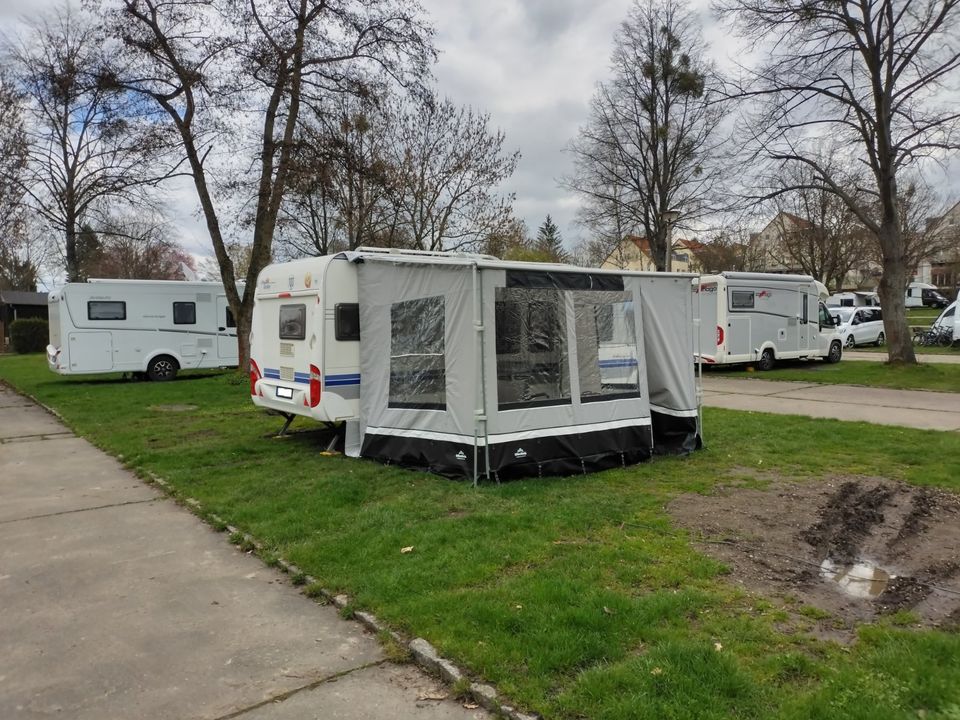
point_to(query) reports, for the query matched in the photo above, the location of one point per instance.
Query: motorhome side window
(347, 321)
(231, 321)
(531, 341)
(293, 322)
(106, 310)
(417, 362)
(741, 299)
(184, 313)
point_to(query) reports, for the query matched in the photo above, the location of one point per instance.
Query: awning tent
(474, 367)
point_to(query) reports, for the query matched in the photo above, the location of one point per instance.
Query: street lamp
(669, 217)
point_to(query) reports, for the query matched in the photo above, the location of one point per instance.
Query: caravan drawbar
(468, 365)
(154, 327)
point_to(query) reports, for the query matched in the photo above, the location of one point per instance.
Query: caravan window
(417, 363)
(347, 321)
(184, 313)
(531, 341)
(293, 322)
(106, 310)
(741, 299)
(606, 345)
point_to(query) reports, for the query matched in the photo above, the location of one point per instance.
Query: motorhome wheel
(162, 368)
(835, 353)
(766, 360)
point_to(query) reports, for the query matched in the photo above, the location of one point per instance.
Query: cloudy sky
(532, 64)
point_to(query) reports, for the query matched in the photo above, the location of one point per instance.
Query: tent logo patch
(520, 453)
(461, 455)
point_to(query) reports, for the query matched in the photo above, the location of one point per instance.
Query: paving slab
(18, 421)
(335, 700)
(118, 603)
(40, 478)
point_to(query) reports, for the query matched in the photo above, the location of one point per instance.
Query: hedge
(29, 335)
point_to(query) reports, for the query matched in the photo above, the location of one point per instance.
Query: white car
(859, 325)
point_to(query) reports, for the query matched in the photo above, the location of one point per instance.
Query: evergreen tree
(549, 241)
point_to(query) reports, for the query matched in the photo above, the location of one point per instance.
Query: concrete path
(952, 359)
(117, 603)
(908, 408)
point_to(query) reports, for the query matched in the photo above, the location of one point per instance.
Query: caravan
(761, 318)
(468, 365)
(153, 327)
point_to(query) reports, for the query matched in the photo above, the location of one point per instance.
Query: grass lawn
(577, 597)
(918, 349)
(945, 378)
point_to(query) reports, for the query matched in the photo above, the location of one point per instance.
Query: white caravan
(856, 298)
(154, 327)
(761, 318)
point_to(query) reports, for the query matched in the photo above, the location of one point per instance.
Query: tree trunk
(892, 291)
(244, 325)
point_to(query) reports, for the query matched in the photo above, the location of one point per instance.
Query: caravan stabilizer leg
(289, 419)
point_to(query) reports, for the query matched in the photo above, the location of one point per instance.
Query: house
(633, 253)
(16, 305)
(941, 267)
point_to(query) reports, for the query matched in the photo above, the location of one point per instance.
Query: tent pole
(697, 322)
(480, 418)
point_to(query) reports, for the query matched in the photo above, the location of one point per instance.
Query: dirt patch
(857, 548)
(174, 408)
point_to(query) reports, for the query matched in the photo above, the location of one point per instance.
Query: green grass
(577, 597)
(928, 376)
(918, 349)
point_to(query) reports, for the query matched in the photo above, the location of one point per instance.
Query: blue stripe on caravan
(618, 363)
(339, 380)
(271, 373)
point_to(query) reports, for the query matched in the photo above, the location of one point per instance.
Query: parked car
(859, 325)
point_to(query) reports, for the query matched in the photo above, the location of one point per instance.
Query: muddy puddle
(856, 549)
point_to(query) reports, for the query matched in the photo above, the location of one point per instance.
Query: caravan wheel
(162, 368)
(766, 360)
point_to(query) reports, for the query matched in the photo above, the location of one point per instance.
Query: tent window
(293, 322)
(531, 340)
(106, 310)
(741, 299)
(417, 365)
(184, 313)
(606, 345)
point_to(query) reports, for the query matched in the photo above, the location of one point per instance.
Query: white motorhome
(154, 327)
(950, 319)
(920, 294)
(761, 318)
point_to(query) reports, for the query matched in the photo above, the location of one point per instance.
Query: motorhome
(469, 365)
(151, 327)
(761, 318)
(949, 319)
(920, 294)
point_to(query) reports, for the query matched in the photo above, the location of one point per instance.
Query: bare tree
(82, 148)
(730, 247)
(648, 146)
(872, 74)
(194, 58)
(337, 196)
(828, 241)
(136, 245)
(446, 164)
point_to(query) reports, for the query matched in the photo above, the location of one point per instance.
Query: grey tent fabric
(474, 367)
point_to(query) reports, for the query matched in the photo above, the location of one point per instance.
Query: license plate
(286, 393)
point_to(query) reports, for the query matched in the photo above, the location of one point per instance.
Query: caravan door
(226, 332)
